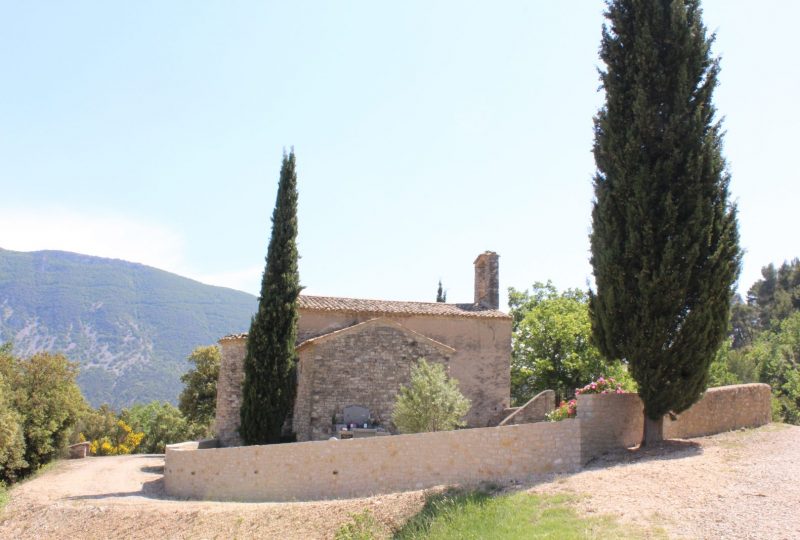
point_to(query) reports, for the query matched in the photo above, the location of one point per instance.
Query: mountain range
(129, 326)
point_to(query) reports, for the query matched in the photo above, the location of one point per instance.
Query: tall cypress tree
(664, 236)
(269, 365)
(441, 294)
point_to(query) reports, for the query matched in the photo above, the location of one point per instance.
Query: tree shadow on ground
(442, 503)
(665, 450)
(153, 489)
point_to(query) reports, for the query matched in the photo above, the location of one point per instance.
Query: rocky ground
(744, 484)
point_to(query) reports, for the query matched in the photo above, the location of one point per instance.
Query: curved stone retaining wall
(362, 467)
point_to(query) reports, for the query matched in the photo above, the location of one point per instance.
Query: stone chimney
(487, 280)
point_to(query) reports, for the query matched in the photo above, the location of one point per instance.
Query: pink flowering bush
(601, 386)
(569, 409)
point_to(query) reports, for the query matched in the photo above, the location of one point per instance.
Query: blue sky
(425, 132)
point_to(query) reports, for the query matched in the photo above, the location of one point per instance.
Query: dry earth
(744, 484)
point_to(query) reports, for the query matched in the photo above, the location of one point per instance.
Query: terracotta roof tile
(388, 307)
(383, 307)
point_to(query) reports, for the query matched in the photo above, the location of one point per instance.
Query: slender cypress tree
(664, 236)
(269, 382)
(441, 294)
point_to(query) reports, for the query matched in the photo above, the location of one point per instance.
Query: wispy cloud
(114, 236)
(103, 235)
(247, 280)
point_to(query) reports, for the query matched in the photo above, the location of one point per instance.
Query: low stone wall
(723, 409)
(608, 422)
(535, 410)
(611, 421)
(362, 467)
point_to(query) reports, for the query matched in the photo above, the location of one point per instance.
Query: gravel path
(744, 484)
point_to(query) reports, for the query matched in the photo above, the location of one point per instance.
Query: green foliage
(551, 343)
(4, 498)
(49, 400)
(269, 385)
(441, 294)
(769, 301)
(121, 441)
(12, 440)
(198, 401)
(430, 402)
(664, 236)
(135, 321)
(567, 409)
(94, 424)
(772, 358)
(161, 423)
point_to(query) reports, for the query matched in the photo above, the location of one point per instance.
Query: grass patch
(484, 514)
(4, 498)
(487, 513)
(363, 526)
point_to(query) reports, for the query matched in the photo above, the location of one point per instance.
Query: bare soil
(743, 484)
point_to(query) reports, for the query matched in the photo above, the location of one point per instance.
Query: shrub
(569, 409)
(162, 424)
(431, 401)
(601, 386)
(123, 441)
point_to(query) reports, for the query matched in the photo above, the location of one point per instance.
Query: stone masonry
(487, 280)
(362, 365)
(359, 351)
(364, 467)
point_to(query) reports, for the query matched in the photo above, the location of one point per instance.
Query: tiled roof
(233, 337)
(384, 307)
(388, 307)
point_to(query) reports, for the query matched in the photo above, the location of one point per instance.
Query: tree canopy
(551, 343)
(198, 401)
(664, 238)
(269, 387)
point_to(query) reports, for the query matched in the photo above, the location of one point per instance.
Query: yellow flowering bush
(123, 441)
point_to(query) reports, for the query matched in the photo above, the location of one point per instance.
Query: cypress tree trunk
(269, 387)
(664, 236)
(653, 431)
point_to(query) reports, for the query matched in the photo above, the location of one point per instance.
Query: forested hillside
(129, 326)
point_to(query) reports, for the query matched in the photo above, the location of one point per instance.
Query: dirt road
(742, 484)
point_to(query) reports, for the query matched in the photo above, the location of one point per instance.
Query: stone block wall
(363, 467)
(608, 422)
(723, 409)
(535, 410)
(612, 421)
(229, 389)
(363, 365)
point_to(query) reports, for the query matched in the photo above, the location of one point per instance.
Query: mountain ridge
(129, 326)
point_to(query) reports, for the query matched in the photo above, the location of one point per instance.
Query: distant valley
(129, 326)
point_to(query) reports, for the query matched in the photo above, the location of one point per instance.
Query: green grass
(464, 515)
(4, 498)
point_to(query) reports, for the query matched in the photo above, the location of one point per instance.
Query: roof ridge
(405, 307)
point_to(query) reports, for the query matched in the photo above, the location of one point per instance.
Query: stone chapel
(359, 352)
